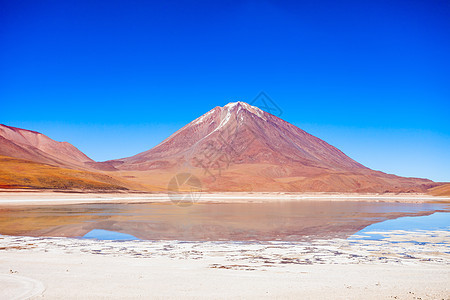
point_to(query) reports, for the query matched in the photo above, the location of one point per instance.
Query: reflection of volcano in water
(293, 221)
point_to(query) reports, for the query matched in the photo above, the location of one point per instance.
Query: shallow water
(288, 221)
(108, 235)
(439, 221)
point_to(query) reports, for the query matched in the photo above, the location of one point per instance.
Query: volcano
(239, 147)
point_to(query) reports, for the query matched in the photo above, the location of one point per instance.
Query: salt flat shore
(65, 268)
(54, 198)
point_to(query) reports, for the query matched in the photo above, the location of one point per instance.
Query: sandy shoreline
(327, 269)
(54, 198)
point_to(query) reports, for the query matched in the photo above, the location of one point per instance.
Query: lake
(276, 221)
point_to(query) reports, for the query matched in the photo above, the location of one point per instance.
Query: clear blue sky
(115, 78)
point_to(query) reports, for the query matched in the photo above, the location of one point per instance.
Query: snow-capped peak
(252, 109)
(229, 109)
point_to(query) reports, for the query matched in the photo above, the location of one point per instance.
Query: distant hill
(35, 146)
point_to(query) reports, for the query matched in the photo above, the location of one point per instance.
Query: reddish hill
(35, 146)
(239, 147)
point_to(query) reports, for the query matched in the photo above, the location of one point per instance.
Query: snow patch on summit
(229, 108)
(243, 105)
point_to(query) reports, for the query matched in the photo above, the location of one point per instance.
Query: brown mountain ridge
(237, 147)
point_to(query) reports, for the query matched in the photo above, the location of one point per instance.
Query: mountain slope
(21, 173)
(239, 147)
(442, 190)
